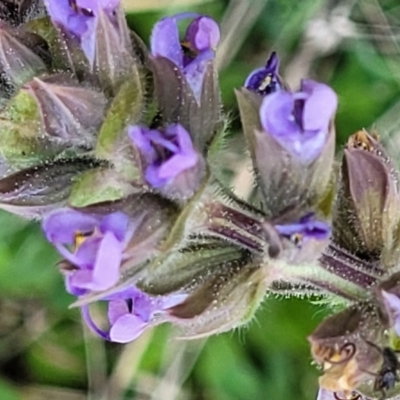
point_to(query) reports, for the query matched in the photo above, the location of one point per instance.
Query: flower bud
(366, 214)
(68, 111)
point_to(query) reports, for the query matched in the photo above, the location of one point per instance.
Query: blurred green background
(45, 353)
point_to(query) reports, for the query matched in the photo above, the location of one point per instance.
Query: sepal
(68, 111)
(19, 59)
(113, 62)
(177, 103)
(34, 191)
(223, 285)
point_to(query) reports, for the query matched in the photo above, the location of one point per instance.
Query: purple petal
(144, 306)
(307, 227)
(88, 40)
(165, 41)
(325, 395)
(195, 70)
(71, 288)
(116, 309)
(61, 226)
(60, 12)
(185, 159)
(138, 135)
(176, 165)
(67, 254)
(81, 279)
(127, 328)
(276, 114)
(182, 136)
(99, 260)
(164, 141)
(88, 319)
(86, 253)
(165, 168)
(319, 107)
(106, 271)
(117, 223)
(203, 34)
(300, 121)
(392, 303)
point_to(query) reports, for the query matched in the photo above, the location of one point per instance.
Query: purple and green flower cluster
(119, 151)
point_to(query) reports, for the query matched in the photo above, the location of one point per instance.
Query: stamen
(80, 237)
(349, 348)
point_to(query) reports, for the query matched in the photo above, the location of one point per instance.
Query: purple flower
(265, 80)
(306, 228)
(392, 305)
(170, 158)
(193, 53)
(299, 121)
(80, 17)
(131, 312)
(92, 244)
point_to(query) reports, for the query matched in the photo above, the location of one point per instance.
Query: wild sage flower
(191, 54)
(290, 136)
(299, 121)
(131, 312)
(172, 163)
(265, 80)
(96, 247)
(307, 227)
